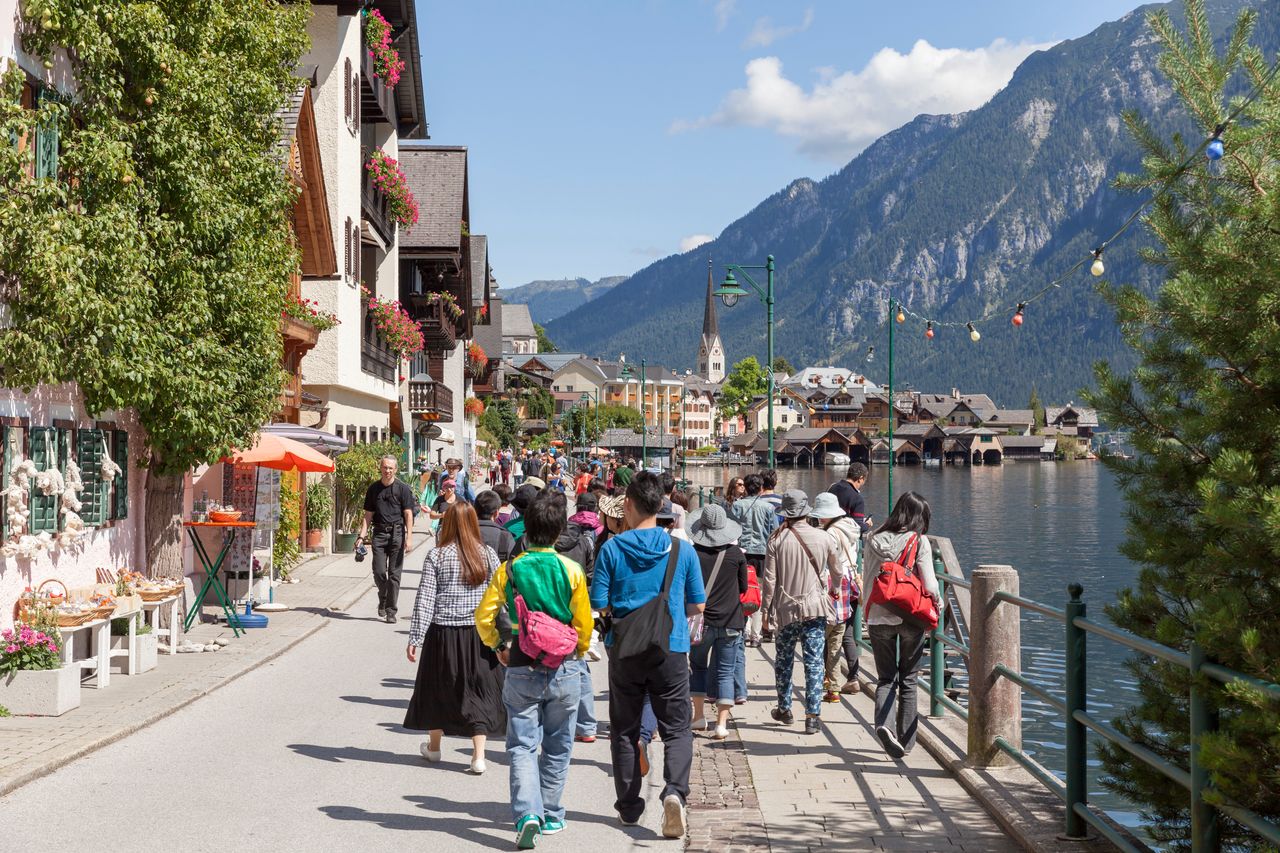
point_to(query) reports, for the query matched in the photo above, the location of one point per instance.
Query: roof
(827, 377)
(437, 177)
(981, 404)
(938, 405)
(710, 329)
(517, 322)
(1085, 417)
(1008, 441)
(918, 430)
(652, 372)
(1011, 416)
(479, 269)
(584, 364)
(626, 438)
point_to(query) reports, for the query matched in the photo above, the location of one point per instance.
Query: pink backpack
(542, 637)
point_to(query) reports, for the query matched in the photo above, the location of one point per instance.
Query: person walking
(447, 498)
(649, 581)
(586, 513)
(541, 701)
(521, 500)
(724, 576)
(458, 690)
(848, 493)
(623, 476)
(799, 562)
(897, 644)
(461, 479)
(389, 506)
(758, 521)
(582, 482)
(844, 594)
(494, 534)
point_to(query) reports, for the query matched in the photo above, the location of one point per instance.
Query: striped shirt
(443, 599)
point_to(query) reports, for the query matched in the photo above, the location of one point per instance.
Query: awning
(314, 438)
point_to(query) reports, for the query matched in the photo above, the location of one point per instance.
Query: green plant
(319, 505)
(355, 471)
(120, 627)
(26, 649)
(308, 311)
(500, 420)
(386, 174)
(285, 550)
(401, 332)
(5, 712)
(387, 64)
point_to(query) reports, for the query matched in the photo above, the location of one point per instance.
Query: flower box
(148, 654)
(41, 692)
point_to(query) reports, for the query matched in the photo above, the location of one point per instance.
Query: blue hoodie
(629, 572)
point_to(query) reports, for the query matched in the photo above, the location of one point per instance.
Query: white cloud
(724, 11)
(764, 33)
(845, 112)
(693, 241)
(648, 251)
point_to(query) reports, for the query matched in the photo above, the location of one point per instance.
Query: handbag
(696, 621)
(644, 634)
(899, 588)
(543, 637)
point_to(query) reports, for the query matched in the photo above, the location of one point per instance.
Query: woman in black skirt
(458, 691)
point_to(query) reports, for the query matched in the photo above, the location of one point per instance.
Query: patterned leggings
(812, 637)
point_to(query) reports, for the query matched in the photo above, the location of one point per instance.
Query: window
(784, 417)
(364, 435)
(337, 430)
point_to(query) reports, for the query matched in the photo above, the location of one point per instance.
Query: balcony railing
(430, 401)
(378, 360)
(373, 206)
(377, 102)
(439, 329)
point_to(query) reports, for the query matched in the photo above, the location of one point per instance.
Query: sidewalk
(31, 747)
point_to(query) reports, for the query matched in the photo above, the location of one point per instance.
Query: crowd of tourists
(522, 589)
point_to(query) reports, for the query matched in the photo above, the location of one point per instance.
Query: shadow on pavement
(453, 827)
(339, 754)
(369, 700)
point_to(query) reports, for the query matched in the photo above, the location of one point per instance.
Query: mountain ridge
(551, 298)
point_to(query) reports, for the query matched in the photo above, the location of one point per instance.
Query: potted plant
(354, 472)
(147, 652)
(319, 512)
(32, 678)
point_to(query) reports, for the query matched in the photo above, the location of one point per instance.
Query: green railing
(1074, 710)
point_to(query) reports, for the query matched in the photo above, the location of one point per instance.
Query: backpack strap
(817, 569)
(672, 558)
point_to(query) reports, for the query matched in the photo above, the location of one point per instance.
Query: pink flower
(11, 648)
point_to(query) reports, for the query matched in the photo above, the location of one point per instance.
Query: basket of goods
(43, 599)
(220, 514)
(157, 590)
(104, 605)
(69, 614)
(54, 597)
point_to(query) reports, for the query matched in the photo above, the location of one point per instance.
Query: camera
(362, 551)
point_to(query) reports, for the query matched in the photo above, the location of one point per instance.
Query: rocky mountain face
(958, 217)
(551, 298)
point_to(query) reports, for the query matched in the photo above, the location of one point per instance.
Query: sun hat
(537, 482)
(795, 504)
(711, 527)
(611, 506)
(826, 506)
(523, 497)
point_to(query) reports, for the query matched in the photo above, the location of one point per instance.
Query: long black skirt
(459, 685)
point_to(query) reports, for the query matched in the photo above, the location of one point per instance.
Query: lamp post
(893, 303)
(586, 402)
(730, 292)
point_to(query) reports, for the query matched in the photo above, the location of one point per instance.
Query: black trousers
(388, 562)
(667, 685)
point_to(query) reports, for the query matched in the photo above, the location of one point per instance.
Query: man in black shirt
(848, 493)
(389, 506)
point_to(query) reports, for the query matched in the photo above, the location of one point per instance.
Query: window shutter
(346, 90)
(5, 462)
(47, 143)
(355, 99)
(44, 508)
(346, 250)
(89, 450)
(64, 456)
(120, 495)
(356, 250)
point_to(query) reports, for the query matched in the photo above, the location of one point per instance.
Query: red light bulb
(928, 332)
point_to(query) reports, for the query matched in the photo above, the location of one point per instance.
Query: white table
(150, 609)
(99, 633)
(129, 652)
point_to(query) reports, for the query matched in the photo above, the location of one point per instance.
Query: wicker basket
(220, 516)
(71, 620)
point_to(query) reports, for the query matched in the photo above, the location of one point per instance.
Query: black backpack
(644, 634)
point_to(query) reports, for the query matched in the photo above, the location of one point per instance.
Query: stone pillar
(995, 637)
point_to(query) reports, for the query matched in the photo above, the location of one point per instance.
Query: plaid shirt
(443, 599)
(843, 601)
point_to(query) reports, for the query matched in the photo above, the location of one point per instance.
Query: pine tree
(1037, 410)
(1204, 410)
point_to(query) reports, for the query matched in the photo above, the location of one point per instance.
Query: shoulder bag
(899, 588)
(817, 570)
(696, 621)
(644, 634)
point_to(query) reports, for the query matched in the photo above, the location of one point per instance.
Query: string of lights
(1213, 148)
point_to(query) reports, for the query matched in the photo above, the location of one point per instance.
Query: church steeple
(711, 357)
(709, 327)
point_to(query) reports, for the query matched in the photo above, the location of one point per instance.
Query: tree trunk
(164, 524)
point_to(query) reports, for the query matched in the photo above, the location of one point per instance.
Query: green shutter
(47, 142)
(44, 453)
(120, 497)
(90, 444)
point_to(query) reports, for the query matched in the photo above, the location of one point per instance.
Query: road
(307, 753)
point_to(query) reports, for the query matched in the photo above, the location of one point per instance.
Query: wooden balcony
(377, 359)
(430, 401)
(377, 102)
(439, 329)
(373, 206)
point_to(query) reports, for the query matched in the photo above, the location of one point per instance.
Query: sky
(605, 134)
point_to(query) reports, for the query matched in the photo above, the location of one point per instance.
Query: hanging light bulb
(974, 334)
(1017, 315)
(901, 318)
(1215, 149)
(1097, 267)
(871, 354)
(928, 330)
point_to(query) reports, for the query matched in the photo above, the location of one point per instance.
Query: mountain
(956, 216)
(551, 298)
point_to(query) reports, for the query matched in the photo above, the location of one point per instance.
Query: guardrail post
(1077, 700)
(995, 637)
(1204, 817)
(937, 658)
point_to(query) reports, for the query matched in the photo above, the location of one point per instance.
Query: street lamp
(586, 401)
(730, 292)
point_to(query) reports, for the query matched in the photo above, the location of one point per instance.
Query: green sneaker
(550, 826)
(528, 828)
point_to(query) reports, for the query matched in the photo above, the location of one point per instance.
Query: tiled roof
(1011, 416)
(1086, 417)
(1007, 441)
(517, 322)
(437, 178)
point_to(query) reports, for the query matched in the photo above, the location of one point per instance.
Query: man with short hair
(461, 478)
(848, 494)
(769, 482)
(389, 506)
(623, 476)
(630, 572)
(494, 535)
(758, 519)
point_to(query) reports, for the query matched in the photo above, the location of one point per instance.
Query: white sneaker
(431, 755)
(477, 765)
(672, 816)
(699, 725)
(593, 654)
(720, 733)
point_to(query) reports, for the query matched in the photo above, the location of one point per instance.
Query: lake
(1056, 523)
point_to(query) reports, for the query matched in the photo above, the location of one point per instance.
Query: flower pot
(346, 543)
(147, 652)
(41, 693)
(314, 538)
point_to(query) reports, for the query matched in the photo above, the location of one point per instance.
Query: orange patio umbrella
(282, 454)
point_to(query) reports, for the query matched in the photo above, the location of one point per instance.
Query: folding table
(211, 569)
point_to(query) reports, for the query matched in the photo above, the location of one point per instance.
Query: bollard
(937, 654)
(995, 637)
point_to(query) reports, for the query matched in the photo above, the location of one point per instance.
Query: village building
(1011, 421)
(1072, 420)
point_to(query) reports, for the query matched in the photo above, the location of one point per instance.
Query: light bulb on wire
(974, 334)
(928, 330)
(1097, 267)
(1017, 315)
(901, 318)
(871, 354)
(1215, 149)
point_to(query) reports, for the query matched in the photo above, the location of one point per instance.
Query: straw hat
(611, 506)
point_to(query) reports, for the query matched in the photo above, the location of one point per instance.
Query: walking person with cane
(389, 506)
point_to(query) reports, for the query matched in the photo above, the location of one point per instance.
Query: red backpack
(900, 589)
(751, 598)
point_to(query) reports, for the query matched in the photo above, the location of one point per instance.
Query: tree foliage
(1203, 408)
(611, 417)
(539, 404)
(501, 421)
(1037, 409)
(154, 271)
(544, 343)
(781, 365)
(745, 382)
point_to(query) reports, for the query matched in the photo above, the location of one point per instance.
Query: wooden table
(211, 569)
(151, 610)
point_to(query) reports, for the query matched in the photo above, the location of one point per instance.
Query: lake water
(1056, 523)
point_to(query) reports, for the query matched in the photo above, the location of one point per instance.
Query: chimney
(955, 393)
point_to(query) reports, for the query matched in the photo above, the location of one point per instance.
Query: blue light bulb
(1215, 149)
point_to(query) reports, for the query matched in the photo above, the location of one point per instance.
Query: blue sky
(605, 134)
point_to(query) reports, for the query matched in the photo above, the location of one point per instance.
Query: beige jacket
(793, 589)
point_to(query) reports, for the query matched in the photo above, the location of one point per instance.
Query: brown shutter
(346, 250)
(355, 98)
(356, 250)
(346, 90)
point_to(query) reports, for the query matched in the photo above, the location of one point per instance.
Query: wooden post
(995, 637)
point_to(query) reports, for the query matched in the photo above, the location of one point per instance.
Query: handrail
(1028, 604)
(1138, 644)
(1032, 688)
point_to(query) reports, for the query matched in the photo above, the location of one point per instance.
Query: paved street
(307, 753)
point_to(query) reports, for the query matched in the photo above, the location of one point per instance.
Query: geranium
(477, 358)
(401, 332)
(473, 406)
(308, 311)
(27, 649)
(451, 306)
(387, 64)
(387, 176)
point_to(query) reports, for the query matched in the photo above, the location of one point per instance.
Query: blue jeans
(586, 726)
(739, 673)
(542, 709)
(727, 645)
(648, 721)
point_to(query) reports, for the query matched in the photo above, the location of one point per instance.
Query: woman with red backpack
(899, 549)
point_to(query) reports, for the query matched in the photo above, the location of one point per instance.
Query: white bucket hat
(826, 506)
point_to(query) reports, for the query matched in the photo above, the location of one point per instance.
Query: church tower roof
(710, 329)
